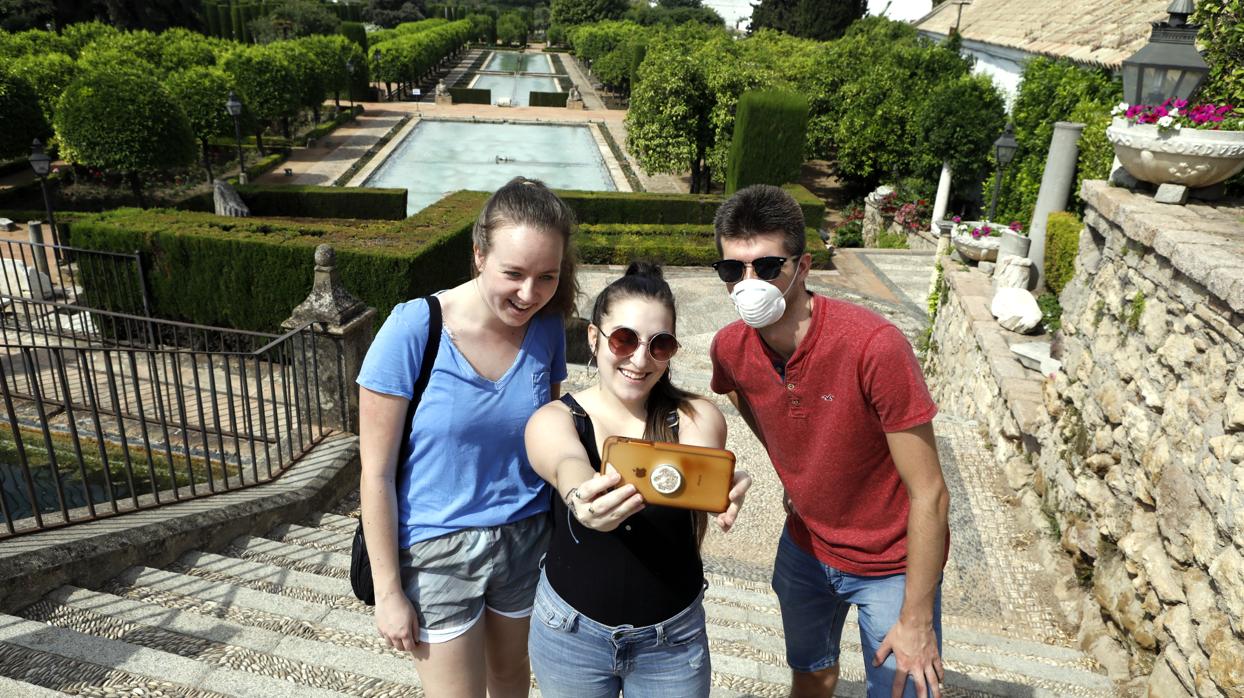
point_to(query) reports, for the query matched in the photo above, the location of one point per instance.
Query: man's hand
(915, 652)
(726, 519)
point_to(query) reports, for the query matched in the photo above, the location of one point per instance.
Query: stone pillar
(226, 201)
(874, 222)
(1056, 183)
(942, 199)
(35, 228)
(341, 340)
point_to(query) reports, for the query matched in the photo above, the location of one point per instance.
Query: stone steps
(906, 273)
(274, 614)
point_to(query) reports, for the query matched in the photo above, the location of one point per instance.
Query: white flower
(1174, 111)
(1120, 108)
(1166, 122)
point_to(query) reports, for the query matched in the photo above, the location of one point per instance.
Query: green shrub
(1096, 153)
(1062, 242)
(592, 207)
(470, 95)
(1051, 311)
(250, 273)
(1222, 36)
(1050, 91)
(314, 202)
(547, 99)
(668, 244)
(770, 129)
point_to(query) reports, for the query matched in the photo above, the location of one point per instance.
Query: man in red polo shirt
(836, 396)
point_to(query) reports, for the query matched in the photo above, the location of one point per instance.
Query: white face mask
(759, 303)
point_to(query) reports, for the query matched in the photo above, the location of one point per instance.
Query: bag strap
(425, 373)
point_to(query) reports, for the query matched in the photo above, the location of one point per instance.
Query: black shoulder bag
(360, 564)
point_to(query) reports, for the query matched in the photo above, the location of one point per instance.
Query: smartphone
(673, 475)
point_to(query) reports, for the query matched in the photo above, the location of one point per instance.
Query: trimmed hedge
(1062, 243)
(593, 207)
(668, 244)
(250, 273)
(314, 202)
(470, 95)
(547, 99)
(770, 130)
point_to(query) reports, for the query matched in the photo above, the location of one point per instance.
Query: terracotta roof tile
(1099, 32)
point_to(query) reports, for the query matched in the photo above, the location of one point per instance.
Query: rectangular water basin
(514, 62)
(439, 157)
(515, 88)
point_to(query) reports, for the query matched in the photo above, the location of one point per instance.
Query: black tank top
(646, 570)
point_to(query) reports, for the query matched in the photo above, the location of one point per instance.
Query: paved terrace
(262, 604)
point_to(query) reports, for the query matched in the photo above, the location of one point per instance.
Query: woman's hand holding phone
(601, 508)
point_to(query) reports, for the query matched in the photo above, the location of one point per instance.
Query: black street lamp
(1003, 152)
(234, 106)
(42, 164)
(1169, 66)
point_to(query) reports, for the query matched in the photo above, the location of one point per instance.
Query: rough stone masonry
(1134, 451)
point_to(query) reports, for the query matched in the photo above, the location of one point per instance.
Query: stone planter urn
(1193, 158)
(1014, 243)
(978, 250)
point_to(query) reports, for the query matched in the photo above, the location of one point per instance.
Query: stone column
(35, 230)
(874, 222)
(942, 199)
(341, 340)
(1056, 183)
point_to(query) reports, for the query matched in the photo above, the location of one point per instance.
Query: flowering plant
(1174, 114)
(984, 230)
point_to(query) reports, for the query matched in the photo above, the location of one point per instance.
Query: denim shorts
(815, 598)
(451, 578)
(573, 656)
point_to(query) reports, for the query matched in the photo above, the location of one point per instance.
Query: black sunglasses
(766, 268)
(624, 341)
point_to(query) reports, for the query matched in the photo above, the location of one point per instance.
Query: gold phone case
(673, 475)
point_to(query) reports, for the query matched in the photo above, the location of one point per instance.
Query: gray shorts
(452, 578)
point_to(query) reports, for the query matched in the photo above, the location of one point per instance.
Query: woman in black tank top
(619, 607)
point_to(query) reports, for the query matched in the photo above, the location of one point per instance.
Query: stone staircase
(274, 616)
(906, 272)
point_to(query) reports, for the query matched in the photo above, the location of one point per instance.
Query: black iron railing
(115, 412)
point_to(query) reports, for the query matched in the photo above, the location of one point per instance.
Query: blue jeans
(573, 656)
(815, 599)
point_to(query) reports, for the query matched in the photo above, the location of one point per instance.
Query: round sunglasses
(766, 268)
(624, 341)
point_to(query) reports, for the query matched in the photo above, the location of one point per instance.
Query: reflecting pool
(439, 157)
(515, 88)
(514, 62)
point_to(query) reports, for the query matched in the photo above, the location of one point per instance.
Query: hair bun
(648, 269)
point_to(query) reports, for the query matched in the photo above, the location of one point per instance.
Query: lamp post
(234, 106)
(1003, 151)
(42, 164)
(1169, 66)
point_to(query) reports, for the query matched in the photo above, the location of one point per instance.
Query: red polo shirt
(853, 378)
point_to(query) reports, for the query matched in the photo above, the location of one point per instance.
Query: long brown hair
(644, 280)
(523, 201)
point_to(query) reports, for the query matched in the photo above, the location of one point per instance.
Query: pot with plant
(976, 240)
(1194, 146)
(1014, 240)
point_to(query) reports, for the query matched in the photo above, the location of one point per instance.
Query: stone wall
(1134, 450)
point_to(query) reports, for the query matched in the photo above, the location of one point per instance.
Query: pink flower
(957, 219)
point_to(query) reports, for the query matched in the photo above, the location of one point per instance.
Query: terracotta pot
(1192, 157)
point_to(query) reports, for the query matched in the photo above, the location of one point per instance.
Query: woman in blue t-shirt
(456, 530)
(619, 607)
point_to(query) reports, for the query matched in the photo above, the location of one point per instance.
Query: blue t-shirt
(468, 465)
